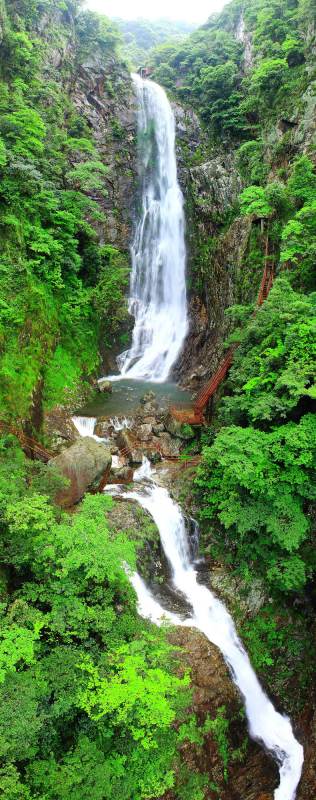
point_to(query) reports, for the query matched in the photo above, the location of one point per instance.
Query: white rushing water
(211, 617)
(158, 290)
(85, 427)
(119, 423)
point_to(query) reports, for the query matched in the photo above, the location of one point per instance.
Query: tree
(253, 201)
(255, 484)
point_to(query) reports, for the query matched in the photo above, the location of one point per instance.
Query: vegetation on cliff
(141, 35)
(60, 287)
(92, 702)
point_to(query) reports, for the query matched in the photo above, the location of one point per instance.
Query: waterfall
(157, 290)
(85, 427)
(211, 617)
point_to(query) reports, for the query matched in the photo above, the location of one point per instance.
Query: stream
(210, 616)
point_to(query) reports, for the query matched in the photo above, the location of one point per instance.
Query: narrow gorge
(157, 403)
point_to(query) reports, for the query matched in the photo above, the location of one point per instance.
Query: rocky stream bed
(113, 451)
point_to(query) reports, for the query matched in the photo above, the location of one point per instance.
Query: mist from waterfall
(157, 290)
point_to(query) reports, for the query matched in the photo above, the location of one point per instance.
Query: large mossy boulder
(83, 464)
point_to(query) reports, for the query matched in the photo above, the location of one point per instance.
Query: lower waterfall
(266, 725)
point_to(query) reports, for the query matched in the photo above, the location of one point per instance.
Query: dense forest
(95, 701)
(141, 35)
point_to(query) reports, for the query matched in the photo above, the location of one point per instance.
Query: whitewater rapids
(266, 725)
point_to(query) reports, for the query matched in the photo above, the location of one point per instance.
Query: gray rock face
(235, 591)
(244, 36)
(83, 464)
(216, 185)
(100, 88)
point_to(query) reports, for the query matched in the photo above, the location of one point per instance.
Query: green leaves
(135, 692)
(269, 74)
(253, 202)
(255, 484)
(16, 648)
(274, 367)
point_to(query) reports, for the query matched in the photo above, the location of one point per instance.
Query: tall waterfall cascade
(157, 290)
(209, 615)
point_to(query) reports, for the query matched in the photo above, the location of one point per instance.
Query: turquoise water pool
(126, 395)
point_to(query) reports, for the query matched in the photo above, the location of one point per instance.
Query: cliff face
(226, 250)
(217, 243)
(68, 177)
(99, 88)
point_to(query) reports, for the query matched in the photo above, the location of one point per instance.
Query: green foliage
(253, 201)
(256, 484)
(84, 683)
(274, 367)
(251, 162)
(141, 35)
(280, 647)
(51, 260)
(299, 244)
(135, 691)
(219, 727)
(268, 76)
(109, 295)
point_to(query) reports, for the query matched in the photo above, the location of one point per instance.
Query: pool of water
(126, 395)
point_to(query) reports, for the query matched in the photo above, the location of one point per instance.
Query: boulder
(158, 428)
(132, 451)
(121, 474)
(102, 428)
(144, 432)
(176, 428)
(59, 428)
(104, 385)
(83, 464)
(170, 447)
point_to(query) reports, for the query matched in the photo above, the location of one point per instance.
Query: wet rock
(212, 684)
(307, 735)
(136, 456)
(102, 428)
(83, 464)
(234, 591)
(104, 385)
(59, 428)
(148, 409)
(121, 474)
(153, 454)
(144, 432)
(177, 429)
(252, 776)
(148, 398)
(158, 428)
(170, 447)
(129, 447)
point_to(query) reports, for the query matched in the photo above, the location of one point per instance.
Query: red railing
(27, 442)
